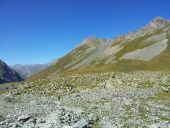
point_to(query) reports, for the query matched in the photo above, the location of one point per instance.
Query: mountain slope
(7, 74)
(145, 49)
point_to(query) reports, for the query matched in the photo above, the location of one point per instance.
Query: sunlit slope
(146, 49)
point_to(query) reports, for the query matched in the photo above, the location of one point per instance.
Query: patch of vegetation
(60, 66)
(137, 44)
(163, 96)
(96, 125)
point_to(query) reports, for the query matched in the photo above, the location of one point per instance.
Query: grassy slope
(60, 66)
(158, 63)
(136, 44)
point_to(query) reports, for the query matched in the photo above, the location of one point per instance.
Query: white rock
(67, 127)
(81, 124)
(93, 117)
(165, 89)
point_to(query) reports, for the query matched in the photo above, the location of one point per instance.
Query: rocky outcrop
(7, 74)
(155, 24)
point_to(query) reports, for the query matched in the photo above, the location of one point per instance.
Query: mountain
(27, 70)
(7, 74)
(145, 49)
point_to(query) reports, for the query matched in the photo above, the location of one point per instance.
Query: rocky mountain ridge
(130, 52)
(155, 24)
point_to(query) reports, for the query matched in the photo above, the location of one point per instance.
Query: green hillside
(83, 58)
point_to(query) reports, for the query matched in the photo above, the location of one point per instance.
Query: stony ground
(105, 100)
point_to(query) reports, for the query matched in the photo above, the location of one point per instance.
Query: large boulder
(81, 124)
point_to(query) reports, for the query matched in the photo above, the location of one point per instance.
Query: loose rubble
(102, 100)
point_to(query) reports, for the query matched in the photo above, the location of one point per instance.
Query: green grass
(163, 96)
(60, 66)
(136, 44)
(158, 63)
(7, 86)
(96, 125)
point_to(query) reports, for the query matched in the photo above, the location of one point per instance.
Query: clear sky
(37, 31)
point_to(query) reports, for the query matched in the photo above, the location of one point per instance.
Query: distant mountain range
(19, 72)
(145, 49)
(26, 71)
(7, 74)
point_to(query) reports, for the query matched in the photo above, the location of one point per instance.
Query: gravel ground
(117, 100)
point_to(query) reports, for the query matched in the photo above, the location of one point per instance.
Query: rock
(107, 123)
(41, 120)
(23, 118)
(16, 92)
(165, 89)
(2, 123)
(2, 118)
(113, 77)
(9, 98)
(34, 121)
(93, 118)
(127, 101)
(107, 106)
(67, 126)
(16, 125)
(160, 125)
(81, 124)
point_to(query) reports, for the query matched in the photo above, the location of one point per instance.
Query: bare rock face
(157, 23)
(91, 41)
(147, 53)
(7, 74)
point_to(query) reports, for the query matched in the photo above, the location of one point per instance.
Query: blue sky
(37, 31)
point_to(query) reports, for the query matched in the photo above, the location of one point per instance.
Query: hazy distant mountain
(145, 49)
(28, 70)
(7, 74)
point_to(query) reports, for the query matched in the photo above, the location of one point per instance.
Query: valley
(102, 83)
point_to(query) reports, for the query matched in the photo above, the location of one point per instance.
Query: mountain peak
(90, 41)
(91, 38)
(158, 22)
(158, 18)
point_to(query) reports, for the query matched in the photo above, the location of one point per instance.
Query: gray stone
(93, 117)
(67, 126)
(160, 125)
(23, 118)
(165, 89)
(81, 124)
